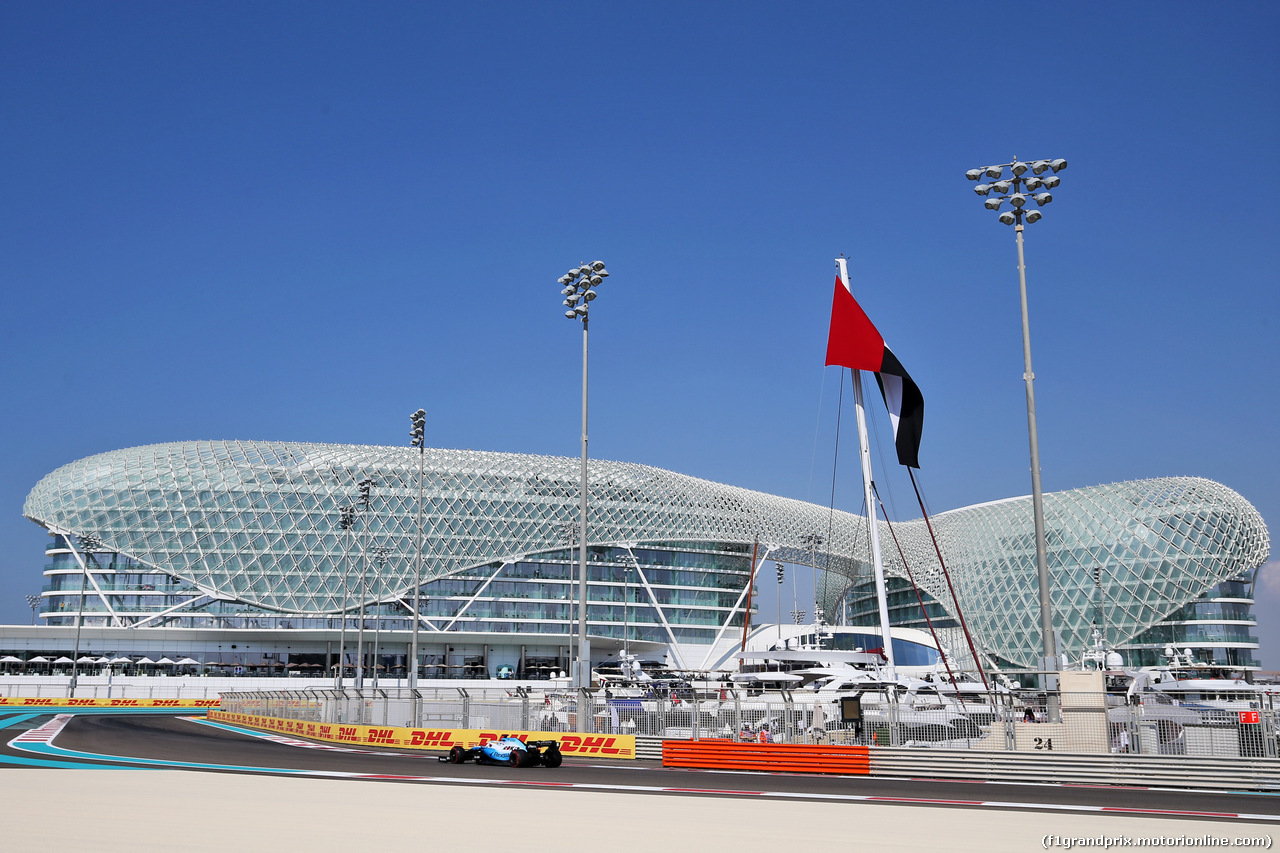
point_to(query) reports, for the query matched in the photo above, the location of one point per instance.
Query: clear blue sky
(305, 220)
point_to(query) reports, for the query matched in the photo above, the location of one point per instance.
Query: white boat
(1200, 685)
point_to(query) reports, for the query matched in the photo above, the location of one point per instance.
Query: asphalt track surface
(183, 743)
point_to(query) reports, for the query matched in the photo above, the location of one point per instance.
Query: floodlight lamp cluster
(579, 286)
(1019, 188)
(418, 428)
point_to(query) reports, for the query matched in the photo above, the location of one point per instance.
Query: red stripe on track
(921, 800)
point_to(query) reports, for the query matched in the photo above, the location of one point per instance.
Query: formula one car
(509, 750)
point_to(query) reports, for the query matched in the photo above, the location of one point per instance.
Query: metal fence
(1082, 723)
(137, 687)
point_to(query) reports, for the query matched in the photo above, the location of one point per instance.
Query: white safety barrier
(1258, 774)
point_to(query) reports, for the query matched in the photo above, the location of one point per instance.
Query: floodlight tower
(417, 432)
(578, 288)
(380, 554)
(88, 545)
(346, 520)
(1017, 190)
(366, 497)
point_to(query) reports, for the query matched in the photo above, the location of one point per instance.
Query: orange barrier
(772, 757)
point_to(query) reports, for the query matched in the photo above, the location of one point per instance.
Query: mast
(864, 454)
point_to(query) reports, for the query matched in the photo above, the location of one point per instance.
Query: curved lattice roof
(259, 522)
(1157, 544)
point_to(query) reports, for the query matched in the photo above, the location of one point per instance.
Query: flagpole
(864, 453)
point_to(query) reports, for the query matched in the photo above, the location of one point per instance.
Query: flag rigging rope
(924, 610)
(977, 661)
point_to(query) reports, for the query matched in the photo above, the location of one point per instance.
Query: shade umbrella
(103, 659)
(145, 661)
(166, 661)
(120, 660)
(11, 659)
(86, 659)
(38, 659)
(188, 662)
(63, 659)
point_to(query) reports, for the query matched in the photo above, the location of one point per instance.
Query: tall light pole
(366, 496)
(417, 432)
(346, 520)
(380, 559)
(782, 574)
(578, 287)
(33, 601)
(812, 541)
(88, 544)
(569, 532)
(1018, 190)
(1102, 602)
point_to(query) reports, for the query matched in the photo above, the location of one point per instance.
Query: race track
(189, 743)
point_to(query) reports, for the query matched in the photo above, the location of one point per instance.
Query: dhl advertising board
(107, 703)
(600, 746)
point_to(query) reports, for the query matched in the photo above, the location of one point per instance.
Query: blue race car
(509, 750)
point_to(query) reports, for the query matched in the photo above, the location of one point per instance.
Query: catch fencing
(1047, 723)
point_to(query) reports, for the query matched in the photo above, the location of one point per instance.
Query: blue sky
(304, 221)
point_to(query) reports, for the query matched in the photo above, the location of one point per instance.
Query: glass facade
(860, 606)
(1217, 631)
(533, 596)
(240, 533)
(1218, 628)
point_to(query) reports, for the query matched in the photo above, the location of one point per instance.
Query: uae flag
(853, 342)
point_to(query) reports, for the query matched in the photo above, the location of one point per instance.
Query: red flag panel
(852, 340)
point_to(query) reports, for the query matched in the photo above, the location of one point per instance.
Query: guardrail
(649, 748)
(1130, 770)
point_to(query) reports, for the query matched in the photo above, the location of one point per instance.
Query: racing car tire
(552, 758)
(519, 758)
(457, 755)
